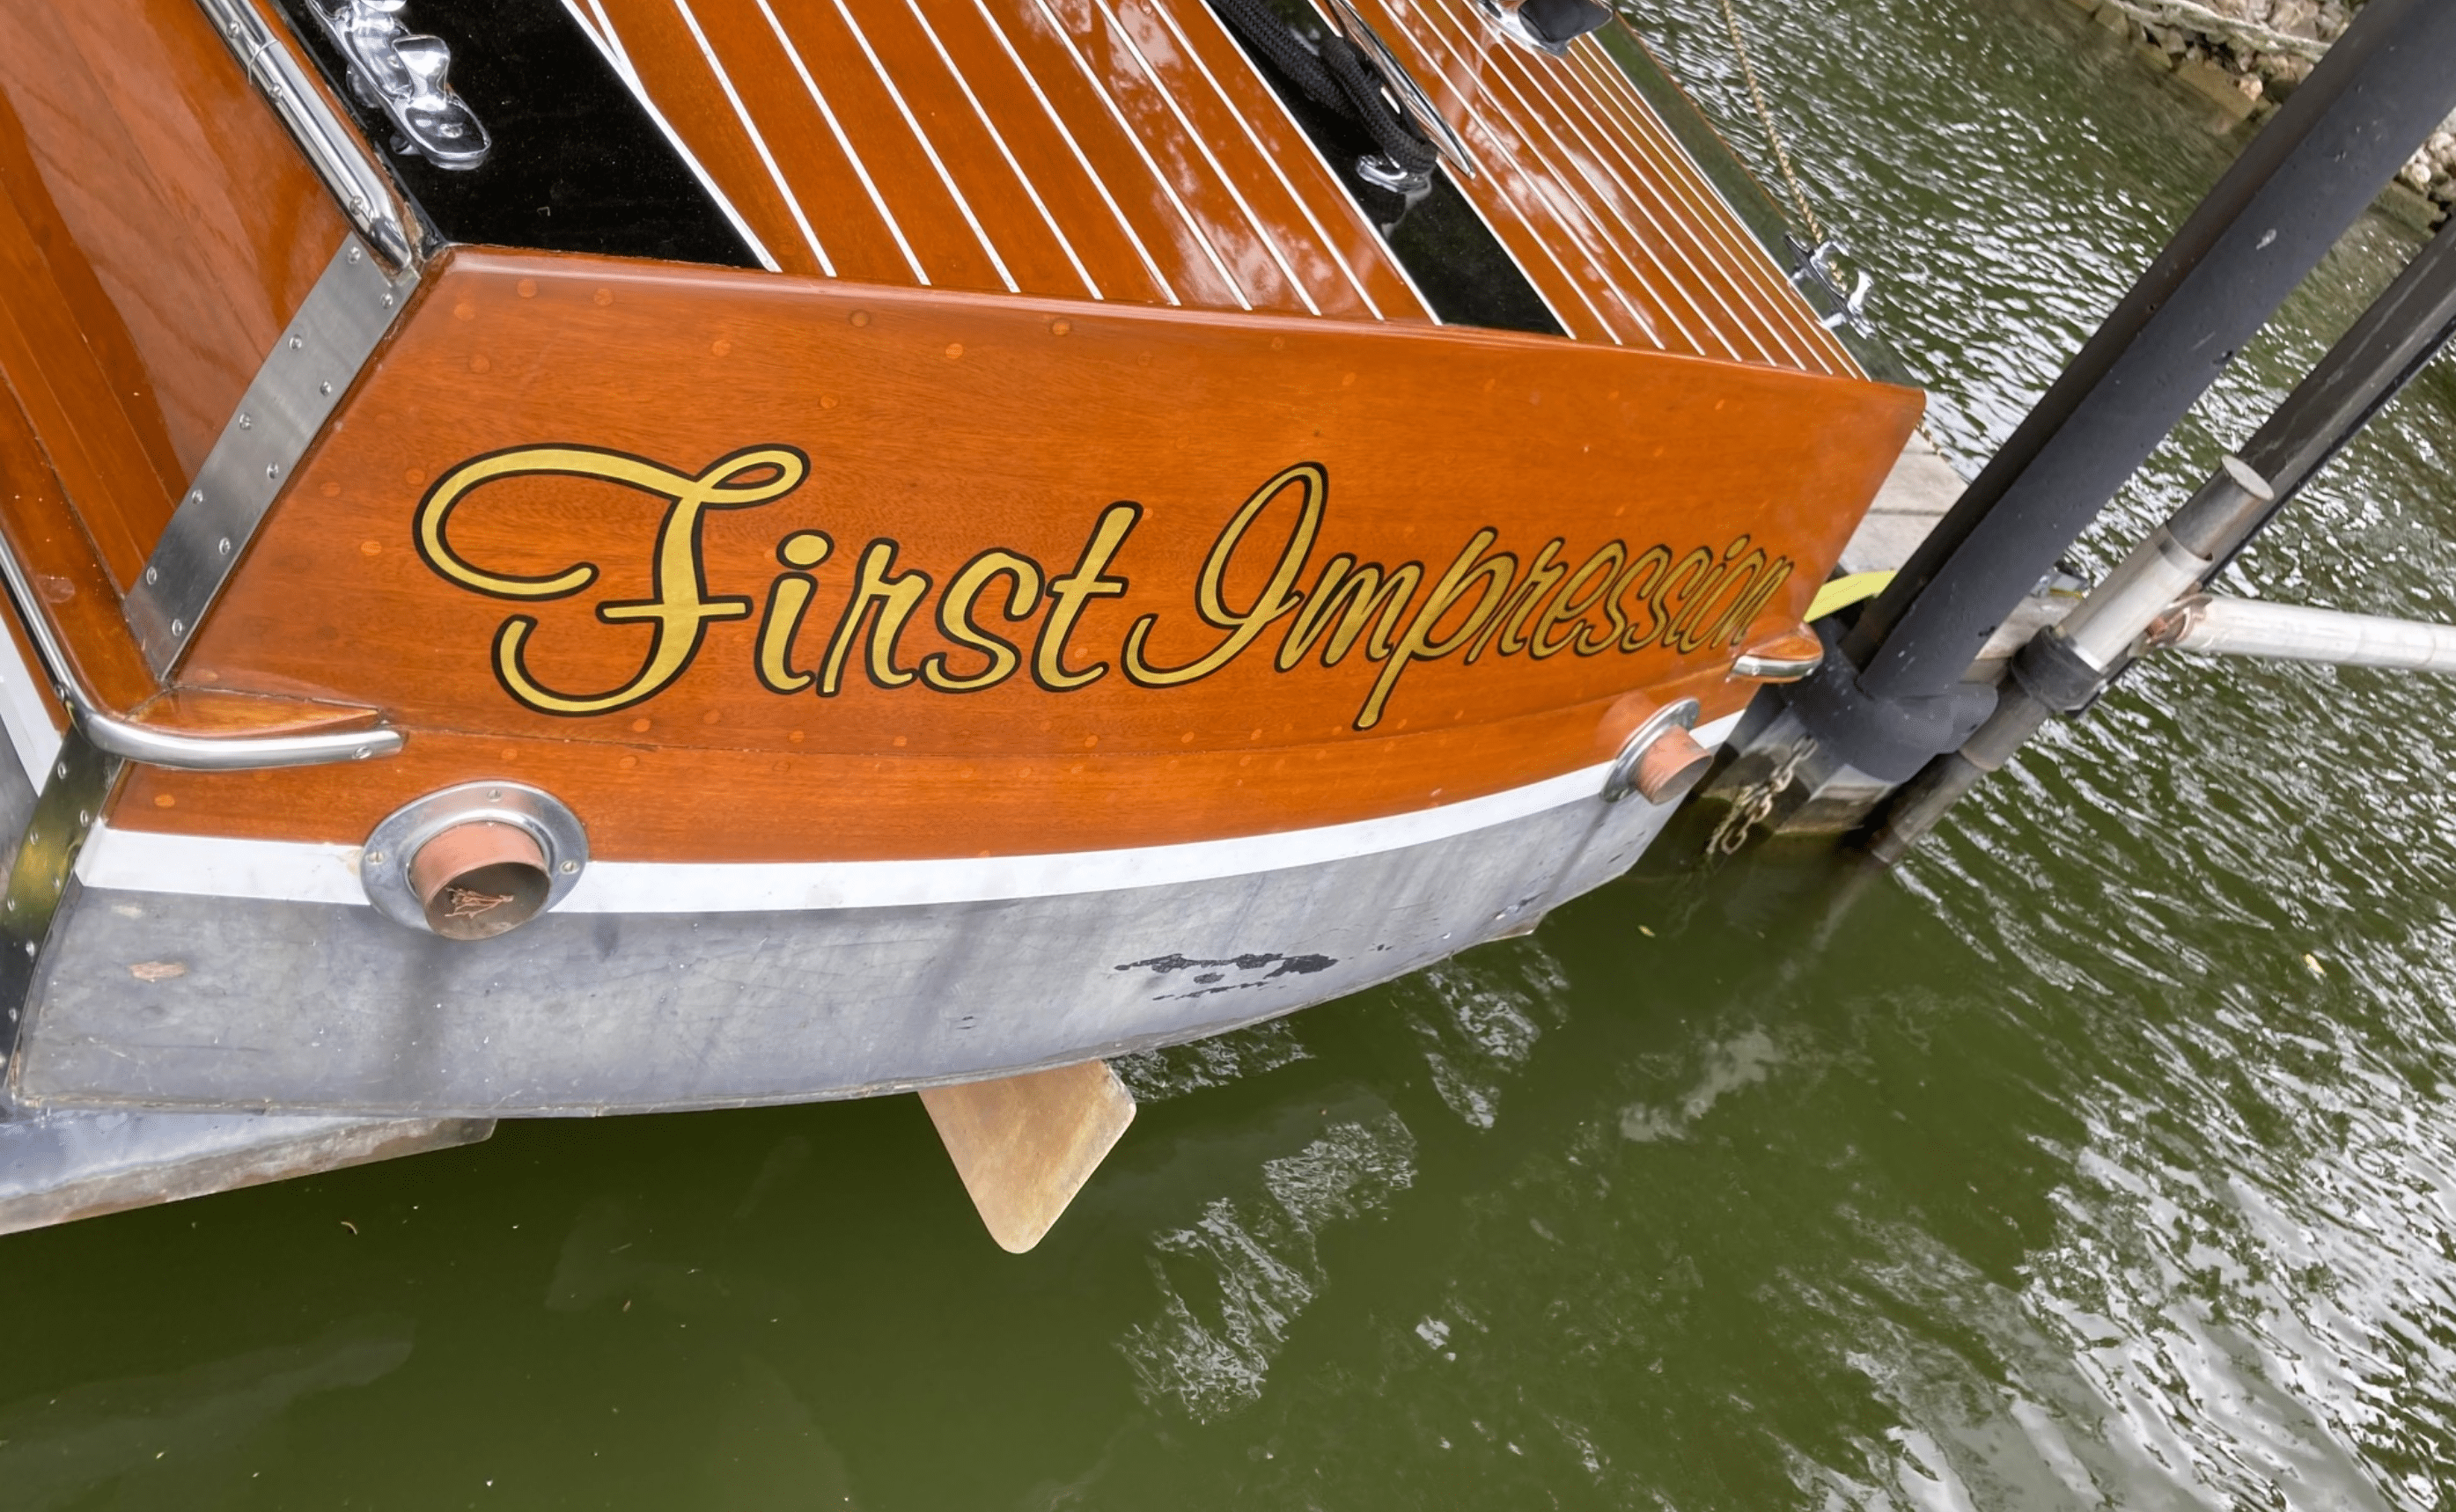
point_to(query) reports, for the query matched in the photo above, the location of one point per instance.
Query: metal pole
(1895, 698)
(2061, 670)
(2293, 632)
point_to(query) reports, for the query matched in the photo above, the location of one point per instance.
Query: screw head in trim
(324, 388)
(177, 627)
(226, 545)
(568, 867)
(375, 858)
(298, 342)
(387, 298)
(63, 769)
(246, 422)
(272, 470)
(354, 255)
(153, 573)
(196, 496)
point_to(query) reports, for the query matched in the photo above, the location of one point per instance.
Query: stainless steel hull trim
(201, 1002)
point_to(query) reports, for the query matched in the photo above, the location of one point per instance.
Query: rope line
(1765, 119)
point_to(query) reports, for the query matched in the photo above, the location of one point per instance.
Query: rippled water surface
(2103, 1156)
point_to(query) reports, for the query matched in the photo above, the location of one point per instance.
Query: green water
(2103, 1156)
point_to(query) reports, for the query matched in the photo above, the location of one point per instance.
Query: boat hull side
(261, 1003)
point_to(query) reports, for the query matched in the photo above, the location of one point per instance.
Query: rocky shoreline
(2247, 55)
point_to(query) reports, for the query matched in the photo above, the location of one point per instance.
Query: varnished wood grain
(59, 558)
(1127, 150)
(164, 229)
(951, 426)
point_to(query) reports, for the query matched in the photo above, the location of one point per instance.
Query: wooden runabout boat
(660, 554)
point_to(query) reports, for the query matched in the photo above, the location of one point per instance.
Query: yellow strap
(1843, 592)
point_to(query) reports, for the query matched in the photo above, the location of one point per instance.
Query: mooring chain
(1754, 804)
(1782, 161)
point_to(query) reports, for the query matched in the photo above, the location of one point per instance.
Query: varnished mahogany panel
(162, 185)
(605, 527)
(59, 559)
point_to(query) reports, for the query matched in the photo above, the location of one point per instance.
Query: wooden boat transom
(622, 554)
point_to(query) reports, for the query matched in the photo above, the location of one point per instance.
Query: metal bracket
(72, 799)
(332, 148)
(403, 74)
(336, 329)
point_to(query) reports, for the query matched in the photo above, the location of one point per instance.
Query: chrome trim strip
(66, 812)
(25, 718)
(335, 330)
(1403, 87)
(309, 871)
(332, 148)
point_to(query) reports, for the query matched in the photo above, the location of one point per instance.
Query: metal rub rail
(363, 188)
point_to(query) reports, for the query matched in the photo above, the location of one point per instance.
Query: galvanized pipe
(2310, 173)
(2391, 341)
(2293, 632)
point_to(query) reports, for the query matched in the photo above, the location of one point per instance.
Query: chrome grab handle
(118, 736)
(228, 754)
(331, 147)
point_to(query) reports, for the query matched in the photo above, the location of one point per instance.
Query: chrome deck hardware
(1546, 26)
(1816, 267)
(403, 74)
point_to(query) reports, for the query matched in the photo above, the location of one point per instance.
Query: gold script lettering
(678, 610)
